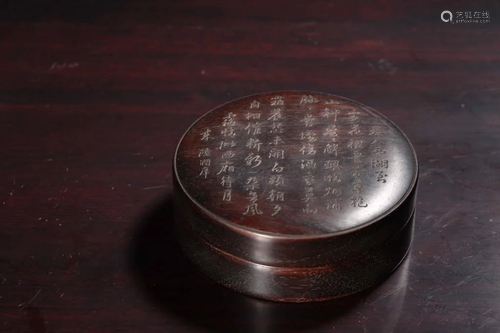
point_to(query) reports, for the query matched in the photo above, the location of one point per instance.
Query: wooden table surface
(95, 95)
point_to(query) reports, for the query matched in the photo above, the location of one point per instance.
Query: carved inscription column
(332, 165)
(309, 149)
(276, 195)
(227, 144)
(380, 164)
(355, 146)
(253, 159)
(204, 153)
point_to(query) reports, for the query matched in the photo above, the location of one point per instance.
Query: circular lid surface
(295, 163)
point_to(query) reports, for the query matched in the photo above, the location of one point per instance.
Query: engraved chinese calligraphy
(314, 159)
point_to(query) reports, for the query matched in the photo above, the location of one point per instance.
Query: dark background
(94, 96)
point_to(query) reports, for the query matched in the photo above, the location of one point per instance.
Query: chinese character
(204, 172)
(227, 181)
(380, 164)
(226, 144)
(276, 128)
(205, 135)
(227, 195)
(332, 191)
(308, 99)
(252, 116)
(327, 113)
(353, 116)
(486, 15)
(256, 160)
(357, 157)
(309, 194)
(308, 179)
(378, 147)
(355, 144)
(227, 166)
(229, 120)
(358, 188)
(477, 14)
(460, 15)
(332, 164)
(310, 136)
(277, 153)
(276, 180)
(275, 114)
(228, 131)
(332, 178)
(381, 176)
(228, 154)
(355, 130)
(252, 197)
(356, 173)
(205, 152)
(251, 184)
(277, 100)
(252, 209)
(277, 208)
(375, 131)
(254, 144)
(331, 148)
(468, 15)
(276, 168)
(254, 128)
(276, 196)
(309, 210)
(308, 120)
(308, 164)
(205, 162)
(254, 105)
(331, 130)
(308, 149)
(335, 204)
(276, 141)
(358, 202)
(357, 180)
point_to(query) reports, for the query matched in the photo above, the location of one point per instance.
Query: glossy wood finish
(295, 196)
(94, 98)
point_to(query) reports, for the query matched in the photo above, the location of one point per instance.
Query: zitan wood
(94, 96)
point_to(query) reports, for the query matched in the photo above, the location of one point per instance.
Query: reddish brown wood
(94, 98)
(318, 188)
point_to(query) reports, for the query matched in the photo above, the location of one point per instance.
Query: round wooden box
(295, 196)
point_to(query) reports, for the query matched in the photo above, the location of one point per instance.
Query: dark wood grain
(295, 181)
(95, 95)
